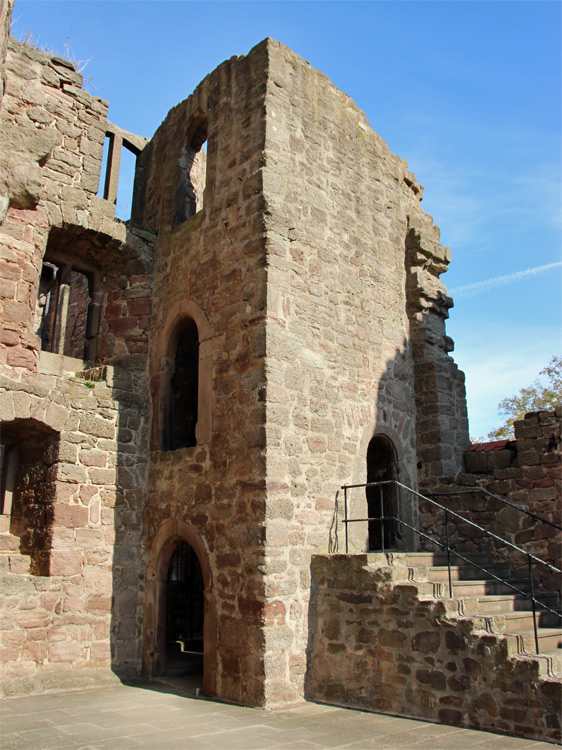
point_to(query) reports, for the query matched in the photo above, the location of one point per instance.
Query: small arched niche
(192, 172)
(382, 505)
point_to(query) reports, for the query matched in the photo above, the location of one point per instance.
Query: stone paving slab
(142, 716)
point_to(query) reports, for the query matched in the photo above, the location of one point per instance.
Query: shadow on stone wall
(385, 452)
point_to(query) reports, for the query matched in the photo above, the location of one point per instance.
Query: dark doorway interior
(184, 614)
(381, 500)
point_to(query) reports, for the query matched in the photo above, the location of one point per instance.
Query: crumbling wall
(377, 645)
(441, 412)
(342, 361)
(72, 596)
(6, 8)
(529, 477)
(296, 270)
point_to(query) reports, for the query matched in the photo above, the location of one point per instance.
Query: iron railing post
(448, 553)
(382, 516)
(532, 592)
(345, 518)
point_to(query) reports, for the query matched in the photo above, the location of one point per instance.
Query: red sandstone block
(317, 444)
(37, 634)
(65, 651)
(93, 458)
(19, 564)
(21, 358)
(9, 542)
(11, 272)
(8, 654)
(9, 338)
(88, 538)
(274, 612)
(99, 604)
(7, 289)
(122, 326)
(71, 516)
(34, 651)
(32, 618)
(100, 651)
(65, 563)
(86, 494)
(140, 306)
(98, 583)
(37, 217)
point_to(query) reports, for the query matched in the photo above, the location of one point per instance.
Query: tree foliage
(540, 396)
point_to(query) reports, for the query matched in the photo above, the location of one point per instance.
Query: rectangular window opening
(126, 183)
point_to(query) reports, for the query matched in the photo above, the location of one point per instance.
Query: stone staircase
(492, 605)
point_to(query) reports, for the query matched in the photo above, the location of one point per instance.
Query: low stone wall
(531, 481)
(376, 645)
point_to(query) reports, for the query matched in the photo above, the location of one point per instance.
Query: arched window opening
(185, 608)
(192, 176)
(184, 390)
(64, 310)
(381, 500)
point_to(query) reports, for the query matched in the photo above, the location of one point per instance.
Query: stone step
(483, 587)
(502, 603)
(549, 638)
(515, 622)
(523, 642)
(550, 663)
(433, 559)
(465, 590)
(460, 573)
(505, 603)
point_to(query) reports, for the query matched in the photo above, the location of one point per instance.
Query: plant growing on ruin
(539, 396)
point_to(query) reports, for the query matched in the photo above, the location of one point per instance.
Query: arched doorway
(185, 613)
(382, 500)
(180, 606)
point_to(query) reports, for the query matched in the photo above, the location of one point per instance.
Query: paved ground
(147, 716)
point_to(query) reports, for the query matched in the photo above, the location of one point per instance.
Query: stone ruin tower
(188, 390)
(309, 275)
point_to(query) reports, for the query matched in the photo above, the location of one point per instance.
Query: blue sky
(468, 92)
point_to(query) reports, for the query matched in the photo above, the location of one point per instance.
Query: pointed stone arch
(154, 648)
(163, 364)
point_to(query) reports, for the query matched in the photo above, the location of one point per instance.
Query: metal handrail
(447, 546)
(471, 490)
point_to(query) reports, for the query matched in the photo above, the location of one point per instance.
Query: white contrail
(482, 286)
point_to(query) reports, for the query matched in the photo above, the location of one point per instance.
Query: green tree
(540, 396)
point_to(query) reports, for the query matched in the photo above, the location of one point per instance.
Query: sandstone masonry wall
(529, 476)
(70, 553)
(210, 268)
(340, 368)
(377, 645)
(312, 275)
